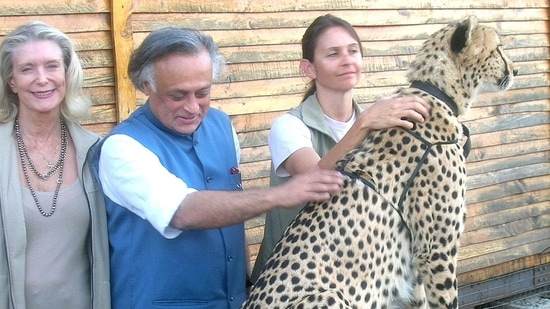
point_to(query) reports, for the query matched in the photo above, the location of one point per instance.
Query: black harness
(436, 92)
(443, 97)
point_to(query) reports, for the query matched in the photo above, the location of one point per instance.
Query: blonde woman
(53, 233)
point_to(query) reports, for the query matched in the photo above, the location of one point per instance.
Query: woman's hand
(393, 111)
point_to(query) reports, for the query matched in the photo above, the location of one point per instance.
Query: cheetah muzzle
(390, 238)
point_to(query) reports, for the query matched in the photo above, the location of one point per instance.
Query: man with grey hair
(170, 175)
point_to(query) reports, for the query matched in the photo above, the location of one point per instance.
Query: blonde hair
(75, 106)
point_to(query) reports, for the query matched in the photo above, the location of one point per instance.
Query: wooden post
(123, 45)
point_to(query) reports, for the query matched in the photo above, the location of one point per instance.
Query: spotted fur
(390, 238)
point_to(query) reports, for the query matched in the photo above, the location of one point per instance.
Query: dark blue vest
(199, 268)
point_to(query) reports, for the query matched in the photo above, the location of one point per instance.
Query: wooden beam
(123, 45)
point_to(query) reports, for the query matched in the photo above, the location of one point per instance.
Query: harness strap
(468, 145)
(366, 182)
(433, 90)
(438, 93)
(443, 97)
(423, 159)
(419, 165)
(370, 184)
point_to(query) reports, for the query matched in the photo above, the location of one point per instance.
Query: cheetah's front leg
(441, 284)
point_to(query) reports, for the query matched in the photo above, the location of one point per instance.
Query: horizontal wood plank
(260, 6)
(70, 23)
(509, 188)
(486, 254)
(143, 22)
(369, 34)
(506, 223)
(498, 270)
(504, 203)
(54, 7)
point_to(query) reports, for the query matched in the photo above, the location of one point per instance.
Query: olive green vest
(278, 219)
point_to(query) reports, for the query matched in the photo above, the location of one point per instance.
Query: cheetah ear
(463, 34)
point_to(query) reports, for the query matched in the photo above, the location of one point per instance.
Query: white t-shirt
(133, 177)
(289, 134)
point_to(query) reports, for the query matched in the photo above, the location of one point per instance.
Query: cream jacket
(12, 225)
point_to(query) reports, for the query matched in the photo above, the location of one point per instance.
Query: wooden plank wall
(508, 225)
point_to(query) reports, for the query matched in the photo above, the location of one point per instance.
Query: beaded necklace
(26, 159)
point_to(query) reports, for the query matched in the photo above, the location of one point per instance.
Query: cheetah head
(463, 60)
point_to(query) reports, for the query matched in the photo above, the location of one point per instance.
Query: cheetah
(390, 238)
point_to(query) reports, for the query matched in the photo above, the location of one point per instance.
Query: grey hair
(75, 106)
(166, 41)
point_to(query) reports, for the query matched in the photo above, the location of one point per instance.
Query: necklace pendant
(24, 156)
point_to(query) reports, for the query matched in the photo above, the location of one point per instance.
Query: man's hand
(314, 185)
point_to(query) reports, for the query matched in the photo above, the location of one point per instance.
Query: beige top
(57, 262)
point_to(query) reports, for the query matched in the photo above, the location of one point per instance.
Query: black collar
(436, 92)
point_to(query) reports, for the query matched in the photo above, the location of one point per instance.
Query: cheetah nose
(515, 72)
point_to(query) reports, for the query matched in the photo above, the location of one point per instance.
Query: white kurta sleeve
(133, 177)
